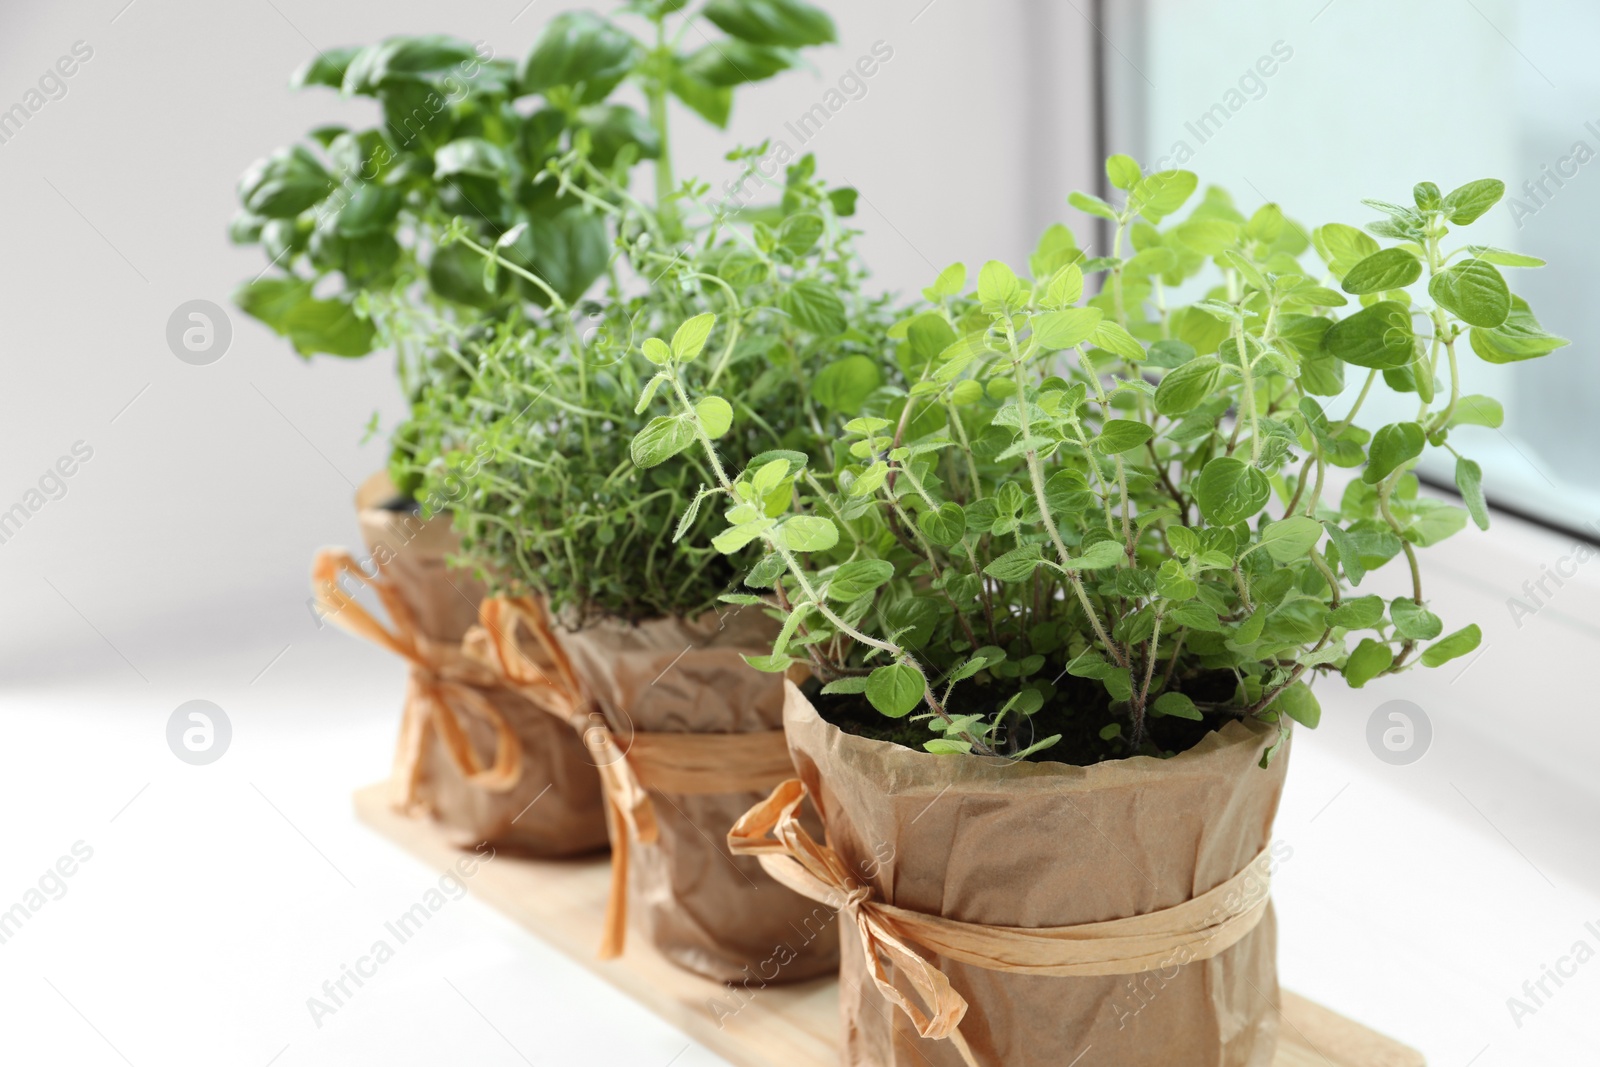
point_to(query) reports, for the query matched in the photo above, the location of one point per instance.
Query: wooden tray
(788, 1026)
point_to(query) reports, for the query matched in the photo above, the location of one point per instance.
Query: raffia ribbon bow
(629, 814)
(443, 678)
(1197, 929)
(491, 656)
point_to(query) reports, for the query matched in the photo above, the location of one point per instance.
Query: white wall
(194, 521)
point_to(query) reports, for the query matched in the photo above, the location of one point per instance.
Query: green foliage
(1111, 514)
(364, 229)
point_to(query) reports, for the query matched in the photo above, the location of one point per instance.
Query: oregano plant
(1094, 526)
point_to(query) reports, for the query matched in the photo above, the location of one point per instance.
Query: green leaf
(1092, 205)
(845, 384)
(1098, 557)
(400, 59)
(470, 156)
(946, 746)
(1432, 521)
(1207, 236)
(690, 338)
(1056, 251)
(1230, 491)
(845, 685)
(1300, 704)
(656, 351)
(1370, 659)
(1469, 480)
(950, 282)
(1392, 447)
(662, 438)
(1413, 620)
(854, 580)
(1474, 292)
(1392, 268)
(1016, 565)
(808, 533)
(1290, 539)
(1361, 613)
(775, 664)
(684, 523)
(1122, 435)
(612, 127)
(1519, 337)
(735, 62)
(284, 184)
(1037, 746)
(1475, 410)
(814, 306)
(1185, 387)
(1378, 337)
(1122, 171)
(330, 326)
(1448, 648)
(1501, 258)
(1118, 341)
(997, 284)
(326, 68)
(1176, 705)
(569, 251)
(715, 415)
(1160, 194)
(945, 525)
(649, 393)
(1349, 553)
(734, 538)
(1173, 582)
(271, 299)
(1471, 200)
(710, 102)
(1196, 616)
(895, 690)
(581, 50)
(800, 233)
(779, 23)
(1056, 330)
(1342, 247)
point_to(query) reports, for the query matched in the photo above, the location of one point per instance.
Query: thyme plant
(1113, 515)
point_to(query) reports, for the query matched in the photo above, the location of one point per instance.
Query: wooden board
(788, 1026)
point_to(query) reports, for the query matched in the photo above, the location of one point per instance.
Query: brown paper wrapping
(718, 915)
(558, 779)
(1043, 845)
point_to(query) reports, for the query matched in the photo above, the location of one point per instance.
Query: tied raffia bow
(629, 813)
(1197, 929)
(443, 678)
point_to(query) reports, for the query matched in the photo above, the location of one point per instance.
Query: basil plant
(353, 221)
(1096, 526)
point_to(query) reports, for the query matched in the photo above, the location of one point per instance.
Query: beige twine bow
(490, 656)
(1197, 929)
(443, 678)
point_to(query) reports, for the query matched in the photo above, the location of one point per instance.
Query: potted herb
(1063, 594)
(687, 735)
(352, 223)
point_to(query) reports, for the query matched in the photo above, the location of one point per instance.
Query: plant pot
(1047, 845)
(681, 689)
(435, 776)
